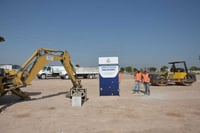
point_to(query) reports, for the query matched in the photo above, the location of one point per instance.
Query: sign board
(108, 76)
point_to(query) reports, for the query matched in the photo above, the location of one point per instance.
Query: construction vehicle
(177, 75)
(14, 82)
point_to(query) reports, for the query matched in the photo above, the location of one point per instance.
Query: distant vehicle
(10, 67)
(50, 71)
(82, 72)
(178, 75)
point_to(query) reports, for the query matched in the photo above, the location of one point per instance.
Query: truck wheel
(43, 76)
(90, 76)
(66, 77)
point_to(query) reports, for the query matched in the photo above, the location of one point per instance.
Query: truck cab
(50, 71)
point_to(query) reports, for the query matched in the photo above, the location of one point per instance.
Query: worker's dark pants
(147, 88)
(137, 87)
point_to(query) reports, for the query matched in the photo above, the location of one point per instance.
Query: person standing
(138, 79)
(146, 81)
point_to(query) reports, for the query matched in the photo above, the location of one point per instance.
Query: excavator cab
(4, 76)
(2, 73)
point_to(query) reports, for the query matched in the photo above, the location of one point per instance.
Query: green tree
(194, 68)
(152, 69)
(135, 69)
(129, 69)
(122, 69)
(164, 68)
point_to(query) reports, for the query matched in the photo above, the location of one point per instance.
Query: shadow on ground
(9, 100)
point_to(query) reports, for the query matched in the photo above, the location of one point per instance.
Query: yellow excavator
(12, 82)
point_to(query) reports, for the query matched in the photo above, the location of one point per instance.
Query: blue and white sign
(108, 76)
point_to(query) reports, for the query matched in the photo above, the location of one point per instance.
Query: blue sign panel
(108, 76)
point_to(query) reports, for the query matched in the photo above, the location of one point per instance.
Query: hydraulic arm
(33, 65)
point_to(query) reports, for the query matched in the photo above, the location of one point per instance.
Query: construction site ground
(169, 109)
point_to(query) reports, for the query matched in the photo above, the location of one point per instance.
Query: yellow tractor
(178, 74)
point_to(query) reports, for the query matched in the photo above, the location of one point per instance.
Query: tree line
(130, 69)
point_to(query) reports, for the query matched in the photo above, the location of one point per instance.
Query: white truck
(50, 71)
(82, 72)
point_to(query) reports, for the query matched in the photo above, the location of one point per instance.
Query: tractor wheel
(189, 79)
(162, 81)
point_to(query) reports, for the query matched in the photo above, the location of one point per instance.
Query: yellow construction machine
(12, 82)
(178, 75)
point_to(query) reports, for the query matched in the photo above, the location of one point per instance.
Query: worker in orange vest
(138, 79)
(146, 81)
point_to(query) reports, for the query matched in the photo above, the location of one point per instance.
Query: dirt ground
(169, 109)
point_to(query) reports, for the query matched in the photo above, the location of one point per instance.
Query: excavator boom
(33, 65)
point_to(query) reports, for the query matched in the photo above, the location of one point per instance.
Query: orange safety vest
(146, 78)
(138, 77)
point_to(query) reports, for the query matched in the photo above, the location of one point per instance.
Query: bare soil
(169, 109)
